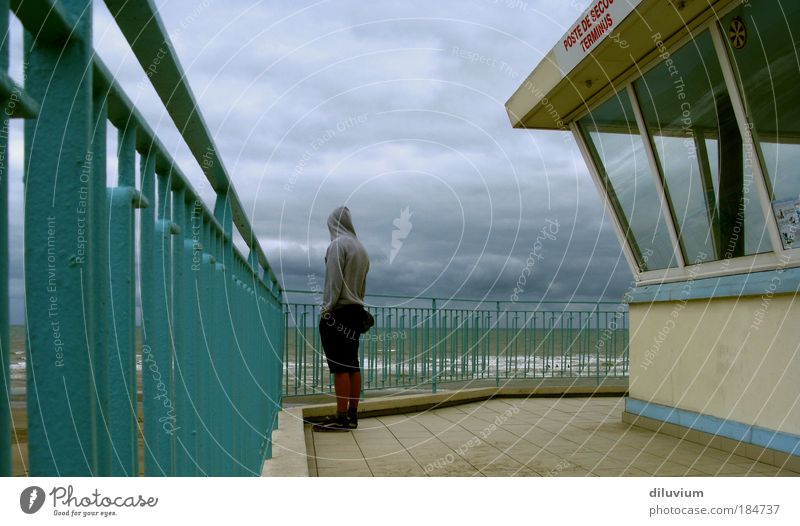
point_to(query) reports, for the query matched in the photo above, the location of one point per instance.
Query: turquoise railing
(423, 343)
(211, 318)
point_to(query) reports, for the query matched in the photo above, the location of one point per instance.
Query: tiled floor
(518, 437)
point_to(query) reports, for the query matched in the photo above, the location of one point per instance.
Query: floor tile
(519, 437)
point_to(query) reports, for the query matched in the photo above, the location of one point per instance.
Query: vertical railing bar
(286, 329)
(188, 415)
(99, 277)
(180, 305)
(59, 384)
(122, 385)
(497, 345)
(206, 442)
(157, 357)
(147, 242)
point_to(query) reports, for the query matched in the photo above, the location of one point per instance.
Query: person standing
(341, 319)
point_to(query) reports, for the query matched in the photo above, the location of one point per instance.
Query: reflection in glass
(616, 145)
(768, 68)
(696, 138)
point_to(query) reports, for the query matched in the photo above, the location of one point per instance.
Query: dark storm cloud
(386, 106)
(435, 139)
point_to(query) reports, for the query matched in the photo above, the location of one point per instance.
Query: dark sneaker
(333, 423)
(352, 419)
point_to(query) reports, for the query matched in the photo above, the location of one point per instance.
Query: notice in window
(787, 213)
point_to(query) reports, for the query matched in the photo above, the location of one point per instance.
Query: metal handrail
(413, 348)
(211, 317)
(442, 299)
(141, 24)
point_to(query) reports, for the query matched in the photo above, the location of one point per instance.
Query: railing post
(233, 302)
(362, 351)
(285, 364)
(206, 310)
(157, 351)
(219, 343)
(237, 376)
(189, 387)
(497, 345)
(181, 305)
(265, 378)
(245, 390)
(99, 280)
(277, 338)
(58, 167)
(262, 366)
(220, 443)
(122, 388)
(261, 380)
(222, 353)
(597, 348)
(147, 287)
(253, 430)
(272, 359)
(248, 391)
(435, 344)
(112, 372)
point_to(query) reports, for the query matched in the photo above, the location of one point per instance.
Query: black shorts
(339, 335)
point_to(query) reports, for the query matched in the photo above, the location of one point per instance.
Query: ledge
(289, 455)
(786, 281)
(758, 443)
(289, 450)
(392, 405)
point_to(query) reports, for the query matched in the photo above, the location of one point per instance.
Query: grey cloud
(431, 79)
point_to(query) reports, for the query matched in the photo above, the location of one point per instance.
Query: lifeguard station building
(687, 113)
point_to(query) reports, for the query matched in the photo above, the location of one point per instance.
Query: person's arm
(334, 276)
(363, 291)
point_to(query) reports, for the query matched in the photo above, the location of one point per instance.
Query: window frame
(777, 258)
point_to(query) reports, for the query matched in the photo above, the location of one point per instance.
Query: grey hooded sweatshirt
(346, 263)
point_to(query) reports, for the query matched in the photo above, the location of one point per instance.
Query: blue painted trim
(780, 281)
(750, 434)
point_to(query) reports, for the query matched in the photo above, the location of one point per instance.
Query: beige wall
(734, 358)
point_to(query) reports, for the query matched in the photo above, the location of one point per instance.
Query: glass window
(618, 150)
(762, 42)
(700, 152)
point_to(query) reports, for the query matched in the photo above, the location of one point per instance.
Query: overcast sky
(380, 106)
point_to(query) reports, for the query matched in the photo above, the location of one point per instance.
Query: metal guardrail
(211, 318)
(422, 343)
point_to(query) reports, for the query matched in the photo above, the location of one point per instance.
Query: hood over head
(340, 223)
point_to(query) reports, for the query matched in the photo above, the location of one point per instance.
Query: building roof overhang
(624, 36)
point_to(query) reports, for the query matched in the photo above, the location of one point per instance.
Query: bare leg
(355, 389)
(341, 384)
